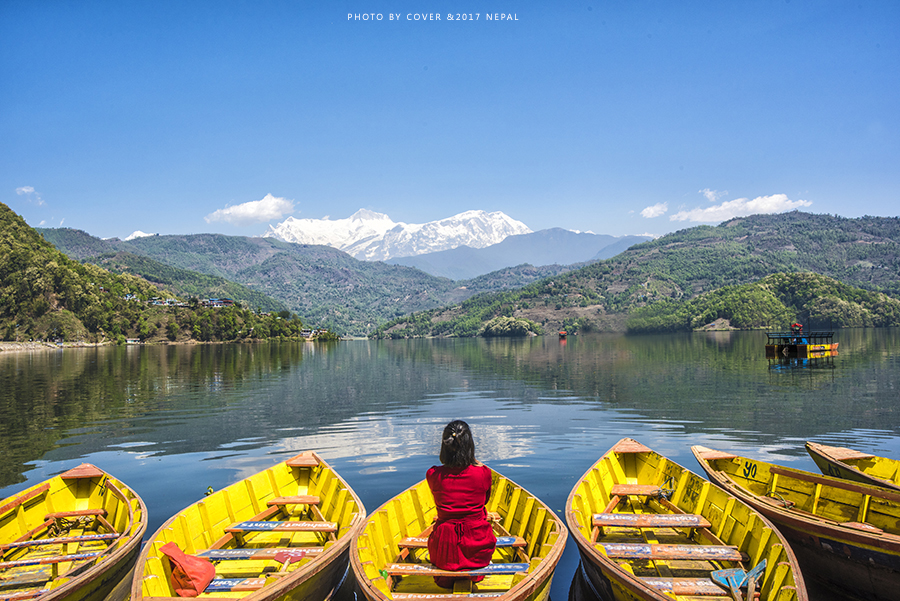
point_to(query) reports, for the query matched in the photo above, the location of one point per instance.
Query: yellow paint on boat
(516, 512)
(857, 466)
(83, 513)
(648, 528)
(844, 532)
(300, 492)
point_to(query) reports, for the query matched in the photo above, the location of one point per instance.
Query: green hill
(863, 252)
(326, 286)
(775, 301)
(185, 283)
(45, 295)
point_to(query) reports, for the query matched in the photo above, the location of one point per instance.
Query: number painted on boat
(749, 470)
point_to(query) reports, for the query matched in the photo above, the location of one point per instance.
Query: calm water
(171, 421)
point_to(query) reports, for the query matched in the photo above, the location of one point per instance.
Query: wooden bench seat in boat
(304, 526)
(442, 596)
(296, 500)
(260, 554)
(672, 552)
(685, 586)
(48, 559)
(303, 460)
(60, 540)
(424, 569)
(650, 520)
(421, 542)
(625, 490)
(225, 585)
(75, 514)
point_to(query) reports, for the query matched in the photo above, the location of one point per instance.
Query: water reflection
(172, 421)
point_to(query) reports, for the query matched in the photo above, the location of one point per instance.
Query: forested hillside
(326, 286)
(44, 295)
(775, 301)
(863, 252)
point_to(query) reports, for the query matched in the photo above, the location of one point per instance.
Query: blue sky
(613, 117)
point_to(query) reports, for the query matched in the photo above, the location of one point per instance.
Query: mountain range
(328, 287)
(861, 252)
(371, 236)
(554, 246)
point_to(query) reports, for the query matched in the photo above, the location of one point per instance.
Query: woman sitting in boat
(462, 537)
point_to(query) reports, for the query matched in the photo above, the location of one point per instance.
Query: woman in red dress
(462, 537)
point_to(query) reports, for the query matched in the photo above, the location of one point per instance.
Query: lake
(173, 420)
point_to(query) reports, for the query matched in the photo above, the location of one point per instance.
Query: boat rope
(784, 502)
(666, 493)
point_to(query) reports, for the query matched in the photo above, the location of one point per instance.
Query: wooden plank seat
(442, 596)
(625, 490)
(424, 569)
(685, 586)
(75, 514)
(296, 553)
(224, 585)
(672, 552)
(303, 460)
(61, 540)
(650, 520)
(48, 559)
(421, 542)
(302, 526)
(22, 595)
(296, 500)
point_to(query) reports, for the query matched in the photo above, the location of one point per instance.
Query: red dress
(462, 537)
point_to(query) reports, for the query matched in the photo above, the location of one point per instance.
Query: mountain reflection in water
(173, 420)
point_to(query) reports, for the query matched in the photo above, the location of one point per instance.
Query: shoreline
(12, 347)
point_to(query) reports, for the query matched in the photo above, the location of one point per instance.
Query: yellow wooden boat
(389, 554)
(845, 533)
(283, 533)
(648, 528)
(72, 537)
(849, 464)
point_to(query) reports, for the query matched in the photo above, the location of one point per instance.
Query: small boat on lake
(797, 343)
(648, 528)
(72, 537)
(390, 556)
(845, 533)
(849, 464)
(282, 533)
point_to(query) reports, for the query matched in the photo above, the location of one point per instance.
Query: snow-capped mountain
(374, 236)
(139, 234)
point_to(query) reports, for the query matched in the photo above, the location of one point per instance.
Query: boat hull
(840, 462)
(304, 487)
(853, 555)
(78, 497)
(665, 501)
(517, 514)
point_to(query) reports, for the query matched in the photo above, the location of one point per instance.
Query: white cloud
(255, 211)
(713, 195)
(656, 210)
(31, 194)
(741, 207)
